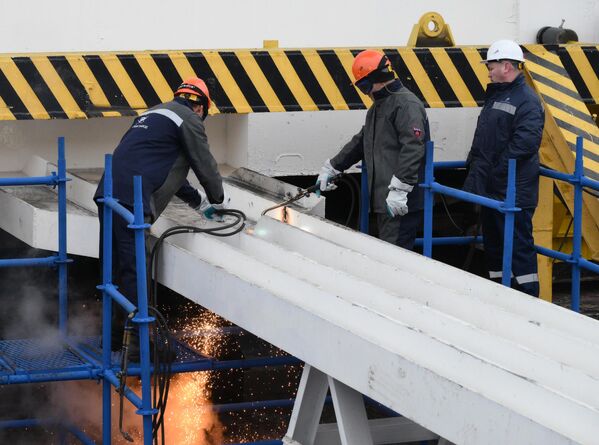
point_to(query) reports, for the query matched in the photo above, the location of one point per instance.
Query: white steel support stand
(308, 406)
(347, 402)
(350, 414)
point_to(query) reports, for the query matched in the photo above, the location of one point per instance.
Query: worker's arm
(351, 153)
(203, 164)
(410, 124)
(528, 130)
(477, 165)
(189, 194)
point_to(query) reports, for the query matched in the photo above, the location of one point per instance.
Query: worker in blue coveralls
(510, 126)
(160, 146)
(391, 143)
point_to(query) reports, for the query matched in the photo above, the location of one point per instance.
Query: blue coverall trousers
(524, 257)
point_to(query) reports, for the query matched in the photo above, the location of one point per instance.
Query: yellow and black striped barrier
(47, 86)
(72, 86)
(564, 103)
(582, 64)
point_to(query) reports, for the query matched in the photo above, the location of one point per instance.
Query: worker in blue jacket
(161, 146)
(510, 126)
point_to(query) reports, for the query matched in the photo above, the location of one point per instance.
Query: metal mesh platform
(26, 360)
(183, 352)
(32, 356)
(40, 360)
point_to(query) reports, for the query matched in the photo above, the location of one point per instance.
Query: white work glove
(397, 199)
(206, 208)
(326, 173)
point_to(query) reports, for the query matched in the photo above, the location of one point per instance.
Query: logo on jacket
(140, 124)
(417, 132)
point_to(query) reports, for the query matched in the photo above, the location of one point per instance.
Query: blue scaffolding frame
(59, 260)
(138, 315)
(508, 207)
(81, 358)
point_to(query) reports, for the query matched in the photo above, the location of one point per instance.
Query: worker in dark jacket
(160, 146)
(510, 126)
(391, 143)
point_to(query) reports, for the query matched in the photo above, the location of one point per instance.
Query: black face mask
(365, 85)
(204, 104)
(383, 73)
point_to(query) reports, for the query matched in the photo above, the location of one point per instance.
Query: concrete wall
(275, 143)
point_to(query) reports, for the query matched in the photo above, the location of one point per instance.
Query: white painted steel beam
(29, 213)
(470, 360)
(465, 380)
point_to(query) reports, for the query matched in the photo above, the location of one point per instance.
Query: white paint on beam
(470, 360)
(386, 360)
(559, 369)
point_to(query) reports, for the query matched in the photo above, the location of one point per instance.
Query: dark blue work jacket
(161, 146)
(510, 126)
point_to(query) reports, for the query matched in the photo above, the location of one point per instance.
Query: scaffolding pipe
(553, 253)
(469, 197)
(62, 260)
(29, 262)
(286, 403)
(112, 379)
(258, 404)
(121, 210)
(577, 233)
(508, 236)
(449, 165)
(48, 423)
(579, 182)
(107, 303)
(80, 435)
(89, 374)
(451, 240)
(209, 364)
(554, 174)
(429, 199)
(256, 362)
(119, 298)
(142, 318)
(31, 180)
(588, 182)
(508, 207)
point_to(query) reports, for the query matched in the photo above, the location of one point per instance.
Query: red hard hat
(195, 86)
(368, 61)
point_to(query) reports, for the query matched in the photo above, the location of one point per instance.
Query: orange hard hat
(196, 87)
(367, 62)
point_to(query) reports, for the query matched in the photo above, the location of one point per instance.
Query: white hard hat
(504, 50)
